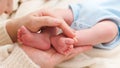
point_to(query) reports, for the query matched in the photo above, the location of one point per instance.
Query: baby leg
(62, 44)
(37, 40)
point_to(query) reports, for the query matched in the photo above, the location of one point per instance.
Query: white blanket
(94, 58)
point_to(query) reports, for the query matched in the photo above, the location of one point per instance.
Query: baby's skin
(44, 39)
(33, 39)
(62, 44)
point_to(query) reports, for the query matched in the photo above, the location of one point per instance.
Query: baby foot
(62, 44)
(37, 40)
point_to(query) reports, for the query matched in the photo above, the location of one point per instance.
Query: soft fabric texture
(85, 17)
(12, 56)
(89, 13)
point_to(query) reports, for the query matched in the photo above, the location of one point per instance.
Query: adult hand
(60, 14)
(38, 19)
(50, 58)
(34, 21)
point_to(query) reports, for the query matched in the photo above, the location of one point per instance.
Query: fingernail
(75, 40)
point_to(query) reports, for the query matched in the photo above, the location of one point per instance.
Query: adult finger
(50, 21)
(60, 58)
(67, 30)
(78, 50)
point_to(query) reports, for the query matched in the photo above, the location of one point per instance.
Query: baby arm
(103, 32)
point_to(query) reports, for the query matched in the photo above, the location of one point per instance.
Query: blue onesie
(90, 12)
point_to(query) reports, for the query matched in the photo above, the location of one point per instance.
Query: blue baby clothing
(90, 12)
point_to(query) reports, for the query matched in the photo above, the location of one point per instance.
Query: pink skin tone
(47, 37)
(103, 32)
(7, 4)
(33, 39)
(63, 44)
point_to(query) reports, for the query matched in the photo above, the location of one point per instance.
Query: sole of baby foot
(68, 50)
(20, 32)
